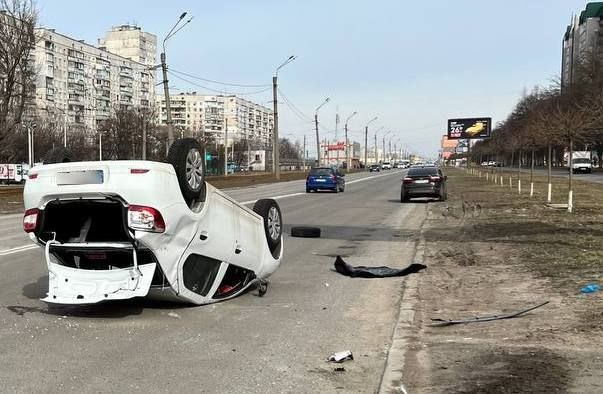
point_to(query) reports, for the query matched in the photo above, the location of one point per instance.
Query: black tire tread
(305, 232)
(177, 158)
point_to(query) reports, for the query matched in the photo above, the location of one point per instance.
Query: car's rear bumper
(421, 191)
(321, 185)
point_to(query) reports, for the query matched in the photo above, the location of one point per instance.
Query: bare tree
(17, 73)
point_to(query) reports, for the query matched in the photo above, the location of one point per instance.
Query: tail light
(138, 170)
(33, 176)
(145, 219)
(407, 180)
(434, 179)
(333, 178)
(30, 220)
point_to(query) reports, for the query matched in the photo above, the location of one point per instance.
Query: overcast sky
(413, 64)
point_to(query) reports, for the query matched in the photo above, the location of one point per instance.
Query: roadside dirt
(490, 252)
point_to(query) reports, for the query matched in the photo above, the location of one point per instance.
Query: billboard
(469, 128)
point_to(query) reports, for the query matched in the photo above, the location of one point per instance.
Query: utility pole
(304, 152)
(316, 126)
(164, 69)
(376, 154)
(225, 146)
(366, 141)
(384, 147)
(347, 142)
(166, 93)
(275, 144)
(275, 141)
(336, 130)
(144, 139)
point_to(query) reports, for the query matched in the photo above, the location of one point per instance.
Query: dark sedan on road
(374, 167)
(325, 178)
(423, 182)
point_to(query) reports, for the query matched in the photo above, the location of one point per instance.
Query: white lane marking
(300, 193)
(18, 249)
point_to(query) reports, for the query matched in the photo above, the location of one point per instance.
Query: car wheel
(269, 210)
(308, 190)
(305, 232)
(59, 155)
(187, 158)
(403, 198)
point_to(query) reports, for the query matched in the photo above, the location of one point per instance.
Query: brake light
(33, 176)
(30, 220)
(333, 178)
(145, 219)
(138, 170)
(434, 179)
(407, 180)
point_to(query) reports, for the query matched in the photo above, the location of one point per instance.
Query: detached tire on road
(305, 232)
(59, 155)
(186, 156)
(269, 210)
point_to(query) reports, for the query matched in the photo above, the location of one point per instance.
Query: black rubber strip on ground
(305, 232)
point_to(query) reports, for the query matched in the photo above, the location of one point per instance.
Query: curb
(392, 379)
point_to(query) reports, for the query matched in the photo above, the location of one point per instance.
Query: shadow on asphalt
(415, 201)
(357, 234)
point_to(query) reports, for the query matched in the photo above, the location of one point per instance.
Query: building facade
(82, 84)
(582, 38)
(210, 115)
(131, 42)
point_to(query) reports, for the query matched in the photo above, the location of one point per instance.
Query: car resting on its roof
(121, 229)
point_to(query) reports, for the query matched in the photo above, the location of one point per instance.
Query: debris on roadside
(340, 357)
(590, 288)
(339, 369)
(305, 232)
(375, 272)
(442, 322)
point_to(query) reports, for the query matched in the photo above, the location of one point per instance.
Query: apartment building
(131, 42)
(582, 38)
(82, 84)
(198, 114)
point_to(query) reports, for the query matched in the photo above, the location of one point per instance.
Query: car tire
(305, 232)
(186, 156)
(308, 190)
(403, 198)
(269, 210)
(59, 155)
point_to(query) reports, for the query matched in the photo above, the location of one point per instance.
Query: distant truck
(582, 162)
(13, 173)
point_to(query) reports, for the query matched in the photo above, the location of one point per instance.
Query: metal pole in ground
(225, 146)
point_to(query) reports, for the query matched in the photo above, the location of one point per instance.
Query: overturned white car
(122, 229)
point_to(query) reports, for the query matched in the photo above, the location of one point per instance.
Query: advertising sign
(469, 128)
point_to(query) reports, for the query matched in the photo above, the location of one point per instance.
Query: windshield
(321, 172)
(581, 160)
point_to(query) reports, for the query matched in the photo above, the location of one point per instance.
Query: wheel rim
(194, 169)
(274, 223)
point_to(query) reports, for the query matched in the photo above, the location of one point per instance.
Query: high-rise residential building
(582, 38)
(132, 43)
(82, 84)
(199, 114)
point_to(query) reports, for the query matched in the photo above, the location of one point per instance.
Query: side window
(199, 273)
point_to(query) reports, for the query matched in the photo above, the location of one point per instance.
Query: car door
(250, 240)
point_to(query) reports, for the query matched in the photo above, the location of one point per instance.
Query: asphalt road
(275, 343)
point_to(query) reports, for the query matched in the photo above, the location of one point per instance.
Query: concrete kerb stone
(392, 379)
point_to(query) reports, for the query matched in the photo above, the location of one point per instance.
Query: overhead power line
(240, 85)
(216, 90)
(294, 109)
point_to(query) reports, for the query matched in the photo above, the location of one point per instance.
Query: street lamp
(366, 140)
(384, 142)
(275, 144)
(316, 125)
(376, 131)
(347, 143)
(166, 91)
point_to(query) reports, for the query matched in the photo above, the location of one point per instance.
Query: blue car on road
(325, 178)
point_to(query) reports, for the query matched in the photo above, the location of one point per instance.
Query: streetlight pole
(366, 141)
(275, 142)
(376, 150)
(384, 143)
(164, 68)
(347, 142)
(317, 136)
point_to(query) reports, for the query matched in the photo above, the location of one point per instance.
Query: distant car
(325, 178)
(374, 167)
(386, 165)
(582, 164)
(423, 182)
